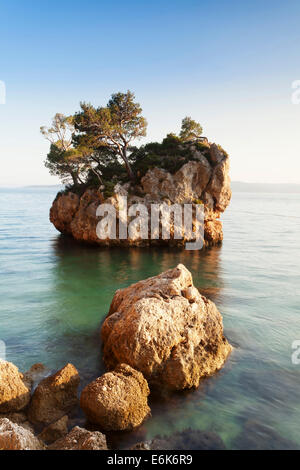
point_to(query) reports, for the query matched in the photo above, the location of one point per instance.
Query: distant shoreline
(236, 186)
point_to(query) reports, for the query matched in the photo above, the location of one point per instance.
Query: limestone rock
(204, 179)
(16, 437)
(14, 393)
(54, 396)
(63, 211)
(117, 400)
(80, 439)
(219, 185)
(55, 431)
(166, 329)
(19, 418)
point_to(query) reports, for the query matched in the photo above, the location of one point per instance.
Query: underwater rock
(117, 400)
(166, 329)
(257, 436)
(189, 439)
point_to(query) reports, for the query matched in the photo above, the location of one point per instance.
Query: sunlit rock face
(118, 400)
(164, 328)
(203, 180)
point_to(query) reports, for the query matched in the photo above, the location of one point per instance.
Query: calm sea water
(54, 295)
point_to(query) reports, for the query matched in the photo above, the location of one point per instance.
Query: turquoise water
(54, 295)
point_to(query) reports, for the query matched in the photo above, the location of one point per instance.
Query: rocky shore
(203, 180)
(158, 332)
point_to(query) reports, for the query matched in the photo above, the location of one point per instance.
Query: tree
(65, 165)
(61, 132)
(114, 127)
(63, 159)
(190, 129)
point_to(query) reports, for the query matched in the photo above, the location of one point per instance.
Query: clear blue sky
(228, 64)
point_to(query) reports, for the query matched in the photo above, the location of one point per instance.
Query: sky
(228, 64)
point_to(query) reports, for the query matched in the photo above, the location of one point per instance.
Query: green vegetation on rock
(94, 148)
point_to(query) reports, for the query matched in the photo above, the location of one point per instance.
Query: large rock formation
(166, 329)
(14, 390)
(117, 401)
(204, 179)
(16, 437)
(54, 396)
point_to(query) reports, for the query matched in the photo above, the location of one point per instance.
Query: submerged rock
(257, 436)
(117, 400)
(204, 179)
(81, 439)
(54, 396)
(17, 437)
(188, 439)
(14, 392)
(166, 329)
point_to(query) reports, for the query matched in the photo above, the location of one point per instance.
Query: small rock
(54, 396)
(16, 437)
(117, 400)
(55, 431)
(81, 439)
(14, 393)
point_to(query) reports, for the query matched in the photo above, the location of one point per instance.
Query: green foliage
(113, 127)
(170, 155)
(108, 189)
(198, 201)
(65, 164)
(190, 129)
(94, 148)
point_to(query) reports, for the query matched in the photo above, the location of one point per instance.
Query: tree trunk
(74, 178)
(128, 167)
